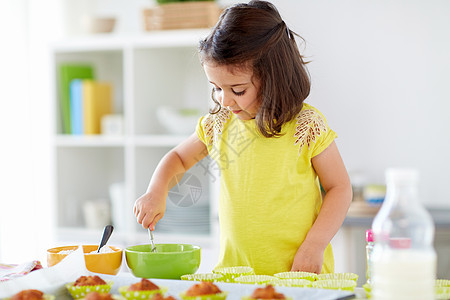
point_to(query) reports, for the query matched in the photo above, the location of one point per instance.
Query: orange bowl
(103, 263)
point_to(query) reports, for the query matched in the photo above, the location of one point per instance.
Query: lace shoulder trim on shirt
(310, 125)
(214, 124)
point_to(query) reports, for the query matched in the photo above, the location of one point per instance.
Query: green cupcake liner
(210, 277)
(115, 297)
(442, 292)
(333, 284)
(292, 282)
(219, 296)
(249, 298)
(442, 283)
(254, 279)
(229, 273)
(79, 292)
(338, 276)
(297, 275)
(139, 295)
(368, 289)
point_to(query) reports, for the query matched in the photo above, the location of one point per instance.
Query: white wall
(380, 73)
(26, 27)
(16, 207)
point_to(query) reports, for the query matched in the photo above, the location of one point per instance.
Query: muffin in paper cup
(442, 283)
(46, 297)
(139, 295)
(230, 273)
(210, 277)
(79, 292)
(333, 284)
(254, 279)
(442, 292)
(292, 282)
(338, 276)
(219, 296)
(115, 297)
(249, 298)
(297, 275)
(268, 291)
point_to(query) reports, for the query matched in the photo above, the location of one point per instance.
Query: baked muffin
(267, 292)
(143, 285)
(144, 289)
(161, 297)
(98, 296)
(87, 284)
(89, 280)
(203, 288)
(28, 295)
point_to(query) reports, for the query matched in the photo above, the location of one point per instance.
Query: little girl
(274, 151)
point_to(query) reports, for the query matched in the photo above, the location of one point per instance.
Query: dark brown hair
(255, 36)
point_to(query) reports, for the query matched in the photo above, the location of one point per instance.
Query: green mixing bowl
(170, 261)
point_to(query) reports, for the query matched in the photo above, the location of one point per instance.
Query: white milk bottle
(404, 261)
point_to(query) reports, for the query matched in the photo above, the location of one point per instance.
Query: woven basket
(193, 14)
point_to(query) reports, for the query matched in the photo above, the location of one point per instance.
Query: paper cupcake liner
(254, 279)
(442, 292)
(338, 276)
(249, 298)
(292, 282)
(344, 285)
(115, 297)
(368, 289)
(297, 275)
(442, 283)
(139, 295)
(219, 296)
(229, 273)
(210, 277)
(79, 292)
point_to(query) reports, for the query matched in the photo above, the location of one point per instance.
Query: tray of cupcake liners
(238, 282)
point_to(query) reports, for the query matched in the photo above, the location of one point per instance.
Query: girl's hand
(149, 209)
(308, 259)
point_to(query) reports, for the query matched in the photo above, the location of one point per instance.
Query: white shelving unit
(158, 68)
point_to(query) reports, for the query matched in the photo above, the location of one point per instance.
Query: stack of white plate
(187, 207)
(192, 220)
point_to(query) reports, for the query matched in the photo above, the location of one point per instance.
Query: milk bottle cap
(369, 235)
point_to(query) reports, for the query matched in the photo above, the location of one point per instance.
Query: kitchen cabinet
(100, 175)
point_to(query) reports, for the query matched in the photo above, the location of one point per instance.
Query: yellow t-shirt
(269, 193)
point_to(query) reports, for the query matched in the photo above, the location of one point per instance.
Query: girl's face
(234, 89)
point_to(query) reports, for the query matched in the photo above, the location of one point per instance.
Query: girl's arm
(150, 207)
(336, 183)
